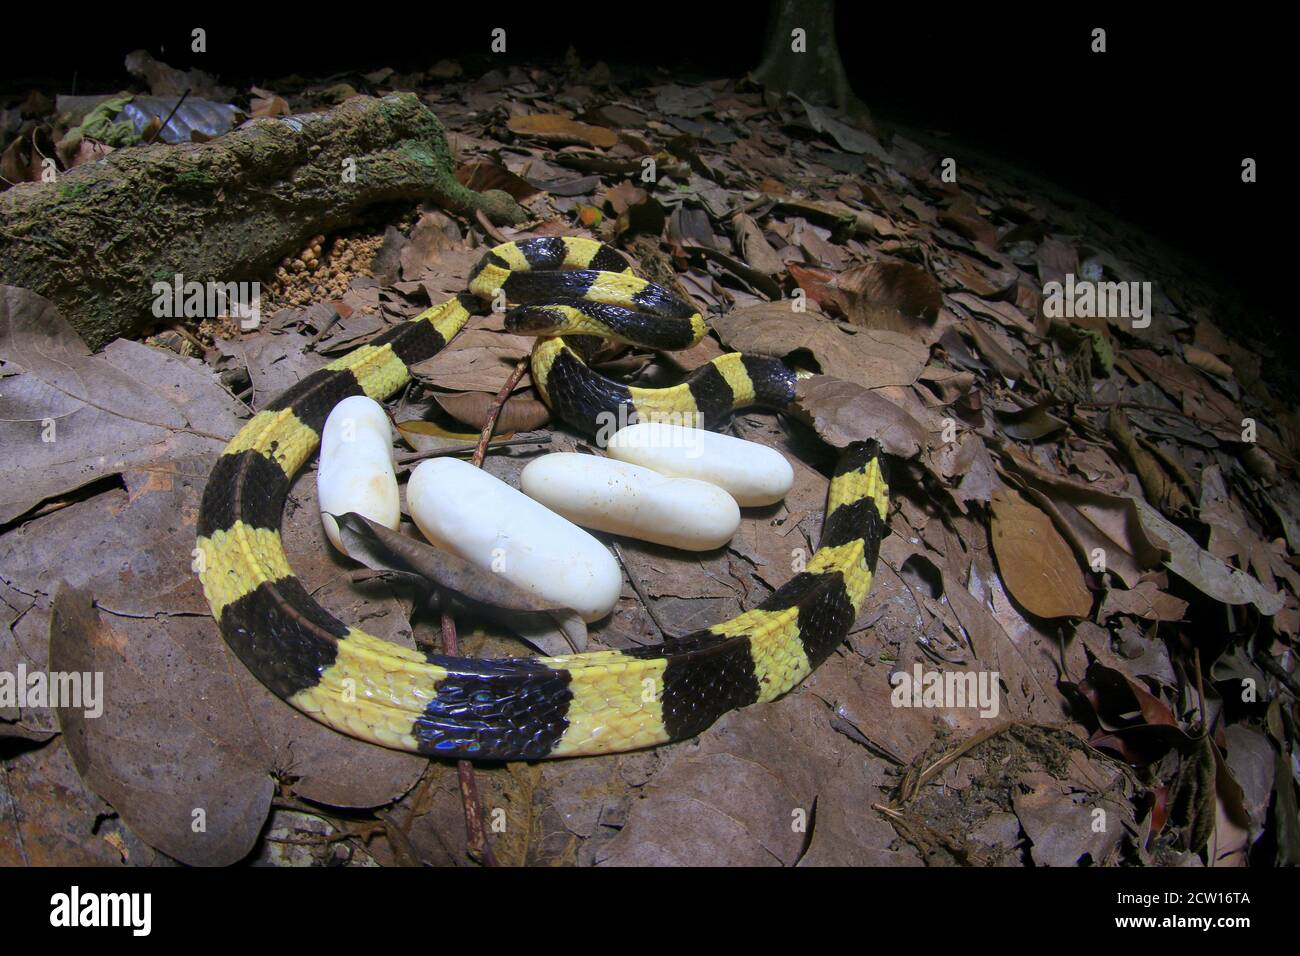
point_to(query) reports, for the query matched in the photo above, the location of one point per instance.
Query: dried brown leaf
(72, 418)
(520, 413)
(755, 247)
(871, 358)
(1203, 570)
(1157, 485)
(1038, 567)
(1145, 601)
(479, 359)
(482, 175)
(1092, 518)
(561, 129)
(1060, 827)
(898, 296)
(173, 683)
(843, 412)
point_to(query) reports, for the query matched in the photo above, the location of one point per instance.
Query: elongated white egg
(751, 473)
(356, 466)
(464, 510)
(627, 499)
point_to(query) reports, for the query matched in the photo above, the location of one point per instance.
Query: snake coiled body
(527, 707)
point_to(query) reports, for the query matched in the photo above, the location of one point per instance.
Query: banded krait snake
(527, 707)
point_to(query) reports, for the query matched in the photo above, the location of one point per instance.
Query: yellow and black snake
(527, 707)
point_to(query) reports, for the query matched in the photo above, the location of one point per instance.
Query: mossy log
(97, 240)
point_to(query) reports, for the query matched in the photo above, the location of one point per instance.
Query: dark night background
(1155, 129)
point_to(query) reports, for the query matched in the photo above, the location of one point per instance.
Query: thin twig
(51, 507)
(916, 778)
(188, 335)
(479, 847)
(486, 225)
(664, 632)
(407, 458)
(924, 837)
(158, 131)
(18, 829)
(400, 411)
(1156, 410)
(498, 403)
(1274, 667)
(36, 146)
(328, 324)
(1200, 691)
(324, 839)
(476, 836)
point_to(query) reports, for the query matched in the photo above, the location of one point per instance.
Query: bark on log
(229, 210)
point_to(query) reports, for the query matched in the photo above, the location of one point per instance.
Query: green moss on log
(225, 211)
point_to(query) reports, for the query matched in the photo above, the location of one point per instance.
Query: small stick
(1200, 692)
(469, 797)
(915, 779)
(664, 633)
(1274, 667)
(498, 403)
(485, 224)
(477, 841)
(36, 146)
(158, 131)
(460, 448)
(328, 324)
(188, 335)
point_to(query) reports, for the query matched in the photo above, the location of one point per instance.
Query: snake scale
(528, 707)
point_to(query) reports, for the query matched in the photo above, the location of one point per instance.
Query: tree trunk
(95, 241)
(816, 73)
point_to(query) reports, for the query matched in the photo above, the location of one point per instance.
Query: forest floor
(1096, 518)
